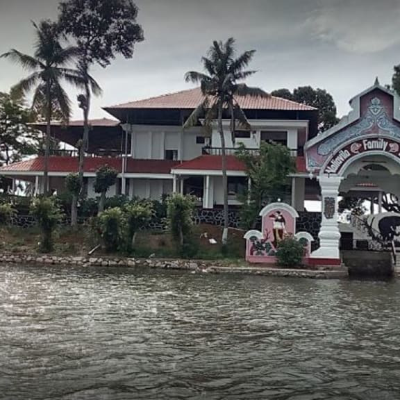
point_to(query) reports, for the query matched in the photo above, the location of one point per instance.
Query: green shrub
(290, 252)
(111, 225)
(137, 216)
(48, 214)
(179, 216)
(189, 248)
(7, 211)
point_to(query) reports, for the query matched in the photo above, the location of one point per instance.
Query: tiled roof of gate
(70, 164)
(190, 99)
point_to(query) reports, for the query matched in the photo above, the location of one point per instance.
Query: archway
(361, 153)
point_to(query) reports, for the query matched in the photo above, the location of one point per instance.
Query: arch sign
(361, 146)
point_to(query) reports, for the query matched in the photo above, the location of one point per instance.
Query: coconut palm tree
(48, 67)
(221, 85)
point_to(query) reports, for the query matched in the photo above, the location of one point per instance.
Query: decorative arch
(283, 206)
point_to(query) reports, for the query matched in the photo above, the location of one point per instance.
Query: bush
(179, 216)
(290, 252)
(111, 225)
(7, 211)
(48, 214)
(137, 216)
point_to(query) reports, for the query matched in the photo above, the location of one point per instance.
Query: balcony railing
(75, 153)
(231, 151)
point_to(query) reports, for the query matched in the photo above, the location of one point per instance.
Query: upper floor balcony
(231, 151)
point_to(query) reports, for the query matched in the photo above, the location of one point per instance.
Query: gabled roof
(190, 99)
(70, 164)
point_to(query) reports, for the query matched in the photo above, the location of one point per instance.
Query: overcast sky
(338, 45)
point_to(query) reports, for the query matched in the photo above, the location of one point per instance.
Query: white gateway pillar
(329, 234)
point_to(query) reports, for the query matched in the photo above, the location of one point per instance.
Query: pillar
(208, 193)
(174, 184)
(298, 193)
(37, 189)
(371, 207)
(379, 202)
(329, 234)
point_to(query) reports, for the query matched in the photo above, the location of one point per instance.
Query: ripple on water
(124, 334)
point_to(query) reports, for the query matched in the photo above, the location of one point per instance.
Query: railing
(75, 153)
(231, 151)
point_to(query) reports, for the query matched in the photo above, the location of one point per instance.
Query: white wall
(150, 188)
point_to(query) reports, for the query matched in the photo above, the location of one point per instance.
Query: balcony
(75, 153)
(231, 151)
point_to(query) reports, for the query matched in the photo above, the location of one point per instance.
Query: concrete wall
(153, 141)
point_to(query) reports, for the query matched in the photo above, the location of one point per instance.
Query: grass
(78, 242)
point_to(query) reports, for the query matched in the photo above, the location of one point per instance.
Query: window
(171, 155)
(200, 139)
(274, 137)
(236, 185)
(242, 134)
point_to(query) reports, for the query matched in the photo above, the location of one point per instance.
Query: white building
(155, 156)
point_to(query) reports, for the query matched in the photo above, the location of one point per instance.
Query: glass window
(171, 155)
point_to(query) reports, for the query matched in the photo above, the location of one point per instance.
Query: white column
(174, 184)
(162, 146)
(379, 202)
(180, 150)
(292, 139)
(37, 189)
(181, 183)
(150, 145)
(329, 234)
(371, 207)
(206, 192)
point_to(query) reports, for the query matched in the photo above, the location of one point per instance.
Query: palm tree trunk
(47, 140)
(224, 176)
(102, 201)
(85, 138)
(74, 210)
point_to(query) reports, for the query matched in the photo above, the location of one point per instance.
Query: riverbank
(194, 266)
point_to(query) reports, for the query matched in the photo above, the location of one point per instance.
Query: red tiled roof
(214, 163)
(190, 99)
(70, 164)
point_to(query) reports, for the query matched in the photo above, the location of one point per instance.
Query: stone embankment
(200, 266)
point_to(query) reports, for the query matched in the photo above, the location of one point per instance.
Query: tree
(268, 173)
(111, 224)
(101, 29)
(318, 98)
(48, 67)
(48, 215)
(179, 216)
(396, 79)
(105, 178)
(220, 87)
(138, 215)
(73, 186)
(17, 138)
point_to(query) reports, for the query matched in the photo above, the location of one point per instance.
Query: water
(124, 334)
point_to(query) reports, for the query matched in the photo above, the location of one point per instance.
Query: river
(93, 333)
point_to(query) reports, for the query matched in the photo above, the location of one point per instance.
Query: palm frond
(209, 66)
(95, 87)
(23, 87)
(195, 77)
(26, 61)
(240, 117)
(242, 90)
(62, 100)
(66, 55)
(197, 113)
(240, 76)
(210, 117)
(241, 62)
